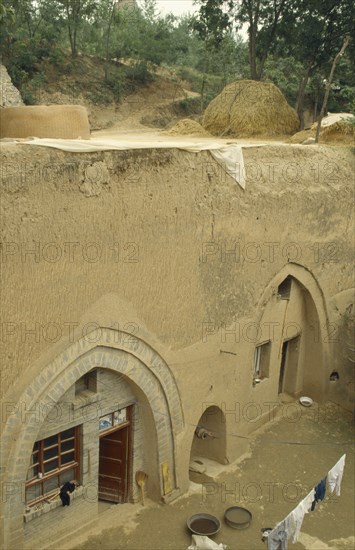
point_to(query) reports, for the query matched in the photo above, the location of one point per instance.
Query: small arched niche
(208, 444)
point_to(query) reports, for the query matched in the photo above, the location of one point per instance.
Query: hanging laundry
(320, 490)
(297, 515)
(335, 476)
(278, 537)
(290, 527)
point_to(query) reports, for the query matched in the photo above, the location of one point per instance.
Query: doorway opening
(289, 366)
(115, 456)
(209, 446)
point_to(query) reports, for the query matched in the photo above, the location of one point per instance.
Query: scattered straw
(187, 127)
(341, 133)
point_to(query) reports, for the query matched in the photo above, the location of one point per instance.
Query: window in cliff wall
(54, 461)
(262, 360)
(88, 382)
(284, 289)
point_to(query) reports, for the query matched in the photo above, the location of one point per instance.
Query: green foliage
(284, 72)
(139, 73)
(117, 84)
(202, 50)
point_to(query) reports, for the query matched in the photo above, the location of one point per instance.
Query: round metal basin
(237, 517)
(203, 524)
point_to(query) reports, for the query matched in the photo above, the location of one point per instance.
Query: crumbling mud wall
(165, 248)
(9, 95)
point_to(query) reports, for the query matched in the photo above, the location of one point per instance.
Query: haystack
(187, 127)
(340, 132)
(249, 108)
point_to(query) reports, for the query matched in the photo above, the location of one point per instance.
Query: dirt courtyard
(286, 459)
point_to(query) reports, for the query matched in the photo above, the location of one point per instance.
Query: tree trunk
(300, 96)
(253, 12)
(277, 13)
(315, 110)
(329, 84)
(108, 38)
(69, 29)
(74, 50)
(260, 71)
(252, 53)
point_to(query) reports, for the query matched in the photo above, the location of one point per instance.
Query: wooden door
(113, 465)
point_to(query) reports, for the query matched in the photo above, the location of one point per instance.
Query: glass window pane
(69, 457)
(105, 422)
(67, 434)
(67, 476)
(67, 445)
(119, 417)
(51, 465)
(33, 492)
(34, 458)
(50, 485)
(35, 447)
(32, 472)
(50, 441)
(50, 453)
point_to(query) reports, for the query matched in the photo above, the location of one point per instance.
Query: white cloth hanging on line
(297, 515)
(291, 525)
(335, 476)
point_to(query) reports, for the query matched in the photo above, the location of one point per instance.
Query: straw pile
(340, 132)
(187, 127)
(301, 136)
(250, 108)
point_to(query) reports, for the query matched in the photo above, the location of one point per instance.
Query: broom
(141, 478)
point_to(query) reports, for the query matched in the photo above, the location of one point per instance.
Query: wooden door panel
(113, 466)
(110, 467)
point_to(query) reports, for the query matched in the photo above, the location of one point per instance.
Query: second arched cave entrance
(208, 449)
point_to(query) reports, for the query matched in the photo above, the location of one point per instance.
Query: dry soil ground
(287, 458)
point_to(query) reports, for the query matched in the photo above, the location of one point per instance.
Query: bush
(139, 73)
(117, 85)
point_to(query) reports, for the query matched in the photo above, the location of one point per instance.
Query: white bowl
(306, 401)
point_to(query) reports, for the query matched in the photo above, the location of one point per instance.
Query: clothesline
(291, 525)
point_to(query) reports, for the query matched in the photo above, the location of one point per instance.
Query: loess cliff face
(163, 241)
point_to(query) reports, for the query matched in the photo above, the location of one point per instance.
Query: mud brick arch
(318, 332)
(105, 348)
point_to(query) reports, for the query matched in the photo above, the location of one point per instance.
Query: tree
(74, 12)
(112, 17)
(263, 18)
(310, 32)
(329, 84)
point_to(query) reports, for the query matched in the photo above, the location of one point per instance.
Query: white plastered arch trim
(306, 278)
(310, 283)
(106, 348)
